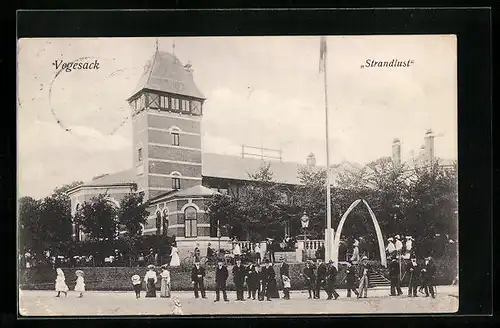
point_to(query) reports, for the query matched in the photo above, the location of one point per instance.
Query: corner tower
(167, 108)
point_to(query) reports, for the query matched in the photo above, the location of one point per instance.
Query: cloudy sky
(261, 91)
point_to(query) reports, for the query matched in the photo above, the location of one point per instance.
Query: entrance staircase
(376, 279)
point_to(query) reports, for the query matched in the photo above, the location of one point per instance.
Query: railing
(311, 246)
(244, 244)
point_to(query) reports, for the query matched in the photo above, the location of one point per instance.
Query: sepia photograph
(242, 175)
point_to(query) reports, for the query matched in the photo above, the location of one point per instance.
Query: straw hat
(79, 272)
(390, 239)
(364, 258)
(151, 267)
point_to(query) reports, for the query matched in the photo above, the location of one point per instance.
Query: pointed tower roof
(165, 72)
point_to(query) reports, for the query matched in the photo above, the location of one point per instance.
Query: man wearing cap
(330, 281)
(351, 280)
(413, 277)
(197, 276)
(363, 282)
(239, 274)
(321, 274)
(390, 246)
(221, 275)
(394, 277)
(309, 276)
(285, 276)
(429, 273)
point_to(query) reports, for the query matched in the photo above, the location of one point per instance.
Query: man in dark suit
(197, 276)
(321, 274)
(429, 274)
(285, 274)
(394, 277)
(309, 277)
(260, 283)
(250, 279)
(239, 273)
(351, 280)
(221, 275)
(413, 271)
(269, 277)
(331, 280)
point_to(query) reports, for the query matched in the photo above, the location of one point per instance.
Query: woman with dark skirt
(151, 279)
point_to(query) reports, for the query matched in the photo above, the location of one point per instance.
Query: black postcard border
(472, 27)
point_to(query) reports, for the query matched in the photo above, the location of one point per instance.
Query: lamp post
(304, 221)
(218, 234)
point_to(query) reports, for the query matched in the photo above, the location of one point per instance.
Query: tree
(132, 213)
(97, 218)
(225, 210)
(432, 203)
(29, 216)
(262, 214)
(310, 197)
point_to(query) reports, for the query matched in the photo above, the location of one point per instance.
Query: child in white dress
(61, 283)
(177, 309)
(80, 283)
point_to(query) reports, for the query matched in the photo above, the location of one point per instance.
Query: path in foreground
(44, 303)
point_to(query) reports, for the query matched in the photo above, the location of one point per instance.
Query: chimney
(396, 152)
(311, 160)
(429, 145)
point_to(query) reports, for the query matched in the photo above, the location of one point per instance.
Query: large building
(169, 165)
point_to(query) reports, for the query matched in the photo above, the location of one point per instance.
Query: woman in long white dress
(174, 257)
(61, 283)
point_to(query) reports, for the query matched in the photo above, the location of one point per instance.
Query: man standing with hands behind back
(239, 273)
(221, 275)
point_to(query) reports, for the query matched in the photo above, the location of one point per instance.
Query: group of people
(420, 276)
(260, 280)
(324, 276)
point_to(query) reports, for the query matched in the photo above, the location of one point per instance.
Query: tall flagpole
(328, 233)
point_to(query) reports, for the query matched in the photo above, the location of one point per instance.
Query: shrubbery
(118, 278)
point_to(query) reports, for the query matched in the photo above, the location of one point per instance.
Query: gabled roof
(195, 191)
(164, 72)
(122, 178)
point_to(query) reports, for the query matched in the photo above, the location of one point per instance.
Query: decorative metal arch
(380, 238)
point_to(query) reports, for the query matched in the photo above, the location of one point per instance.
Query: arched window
(190, 222)
(165, 222)
(158, 223)
(174, 131)
(176, 180)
